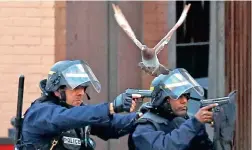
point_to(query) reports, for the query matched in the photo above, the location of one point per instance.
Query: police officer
(166, 125)
(60, 120)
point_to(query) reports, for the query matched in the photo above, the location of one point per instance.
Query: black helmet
(71, 73)
(175, 84)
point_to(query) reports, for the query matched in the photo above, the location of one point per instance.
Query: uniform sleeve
(47, 118)
(120, 125)
(146, 137)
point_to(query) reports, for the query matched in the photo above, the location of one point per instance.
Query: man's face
(75, 97)
(179, 106)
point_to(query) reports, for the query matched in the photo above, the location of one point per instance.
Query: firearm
(220, 101)
(142, 93)
(19, 119)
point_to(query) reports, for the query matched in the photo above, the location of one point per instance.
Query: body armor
(76, 139)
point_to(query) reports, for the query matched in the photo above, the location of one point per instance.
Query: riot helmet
(175, 84)
(71, 74)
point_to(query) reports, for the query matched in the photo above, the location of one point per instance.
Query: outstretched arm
(44, 118)
(120, 125)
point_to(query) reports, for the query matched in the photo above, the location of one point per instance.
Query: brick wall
(155, 27)
(26, 47)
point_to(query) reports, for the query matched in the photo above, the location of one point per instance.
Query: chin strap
(85, 88)
(88, 97)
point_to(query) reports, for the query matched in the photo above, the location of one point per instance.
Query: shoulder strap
(152, 118)
(148, 117)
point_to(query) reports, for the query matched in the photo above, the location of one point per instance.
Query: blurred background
(213, 44)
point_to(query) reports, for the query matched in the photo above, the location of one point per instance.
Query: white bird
(150, 63)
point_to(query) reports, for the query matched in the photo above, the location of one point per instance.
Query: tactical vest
(158, 123)
(161, 123)
(75, 139)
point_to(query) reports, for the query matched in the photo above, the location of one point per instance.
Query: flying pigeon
(150, 63)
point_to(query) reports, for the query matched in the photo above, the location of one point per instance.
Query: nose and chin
(78, 100)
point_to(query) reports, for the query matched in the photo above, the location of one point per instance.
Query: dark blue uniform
(43, 121)
(178, 134)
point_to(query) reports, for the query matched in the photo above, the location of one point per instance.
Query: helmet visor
(179, 82)
(80, 74)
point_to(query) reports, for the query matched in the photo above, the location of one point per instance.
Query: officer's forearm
(123, 123)
(120, 124)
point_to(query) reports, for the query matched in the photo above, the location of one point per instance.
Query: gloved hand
(125, 102)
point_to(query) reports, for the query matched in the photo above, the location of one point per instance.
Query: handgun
(220, 101)
(141, 93)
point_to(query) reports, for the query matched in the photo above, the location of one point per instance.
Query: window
(192, 47)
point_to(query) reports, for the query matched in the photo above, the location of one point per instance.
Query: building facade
(214, 45)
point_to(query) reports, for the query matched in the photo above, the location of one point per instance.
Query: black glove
(122, 103)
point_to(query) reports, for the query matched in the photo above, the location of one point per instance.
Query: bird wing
(123, 23)
(168, 36)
